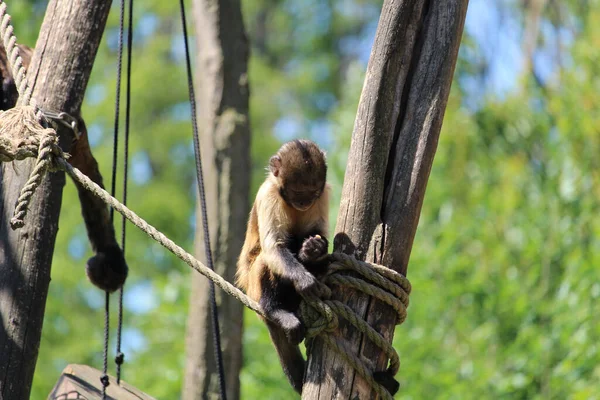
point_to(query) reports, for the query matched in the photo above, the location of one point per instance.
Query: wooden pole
(393, 144)
(222, 88)
(59, 73)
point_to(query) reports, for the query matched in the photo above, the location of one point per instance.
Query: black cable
(113, 187)
(104, 376)
(207, 248)
(120, 357)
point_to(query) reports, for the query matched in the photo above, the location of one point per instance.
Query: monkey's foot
(295, 333)
(385, 379)
(290, 324)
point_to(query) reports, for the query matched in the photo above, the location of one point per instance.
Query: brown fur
(275, 214)
(285, 240)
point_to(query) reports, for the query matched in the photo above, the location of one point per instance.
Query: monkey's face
(300, 171)
(301, 197)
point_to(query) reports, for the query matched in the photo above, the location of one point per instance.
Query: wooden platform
(83, 383)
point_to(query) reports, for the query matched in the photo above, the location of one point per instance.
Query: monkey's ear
(275, 165)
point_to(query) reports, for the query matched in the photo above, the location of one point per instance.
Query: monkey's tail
(290, 356)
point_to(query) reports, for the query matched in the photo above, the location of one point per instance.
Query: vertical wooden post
(393, 144)
(59, 73)
(222, 83)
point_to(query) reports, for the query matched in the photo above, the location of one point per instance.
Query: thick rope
(43, 164)
(15, 61)
(22, 136)
(383, 283)
(151, 231)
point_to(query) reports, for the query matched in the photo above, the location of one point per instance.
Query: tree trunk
(394, 140)
(225, 144)
(59, 72)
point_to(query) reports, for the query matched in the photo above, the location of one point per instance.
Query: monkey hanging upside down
(285, 244)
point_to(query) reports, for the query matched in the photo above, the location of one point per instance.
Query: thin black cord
(113, 187)
(207, 248)
(104, 377)
(120, 356)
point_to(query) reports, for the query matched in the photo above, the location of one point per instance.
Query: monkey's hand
(313, 249)
(306, 284)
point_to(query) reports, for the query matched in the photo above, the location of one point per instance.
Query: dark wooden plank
(83, 382)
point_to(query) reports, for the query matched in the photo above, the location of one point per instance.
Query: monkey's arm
(281, 261)
(276, 254)
(314, 246)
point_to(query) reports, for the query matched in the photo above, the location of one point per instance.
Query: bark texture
(222, 54)
(393, 144)
(59, 72)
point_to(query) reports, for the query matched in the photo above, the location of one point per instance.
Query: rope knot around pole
(22, 136)
(321, 315)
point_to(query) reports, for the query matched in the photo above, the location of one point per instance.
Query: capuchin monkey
(285, 250)
(285, 247)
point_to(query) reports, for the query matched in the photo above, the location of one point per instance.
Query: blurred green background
(506, 299)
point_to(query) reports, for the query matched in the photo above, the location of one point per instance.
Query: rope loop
(45, 162)
(321, 316)
(318, 315)
(22, 136)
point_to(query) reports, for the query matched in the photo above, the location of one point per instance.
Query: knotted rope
(22, 136)
(321, 316)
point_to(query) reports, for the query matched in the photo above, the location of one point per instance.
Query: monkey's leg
(278, 300)
(290, 356)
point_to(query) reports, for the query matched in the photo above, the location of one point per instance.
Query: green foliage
(506, 293)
